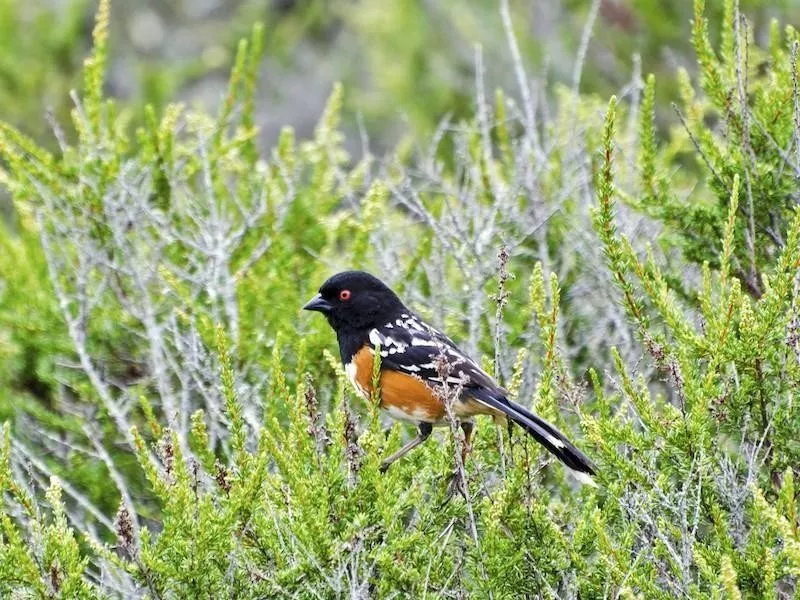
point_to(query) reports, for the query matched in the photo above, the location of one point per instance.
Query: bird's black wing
(409, 345)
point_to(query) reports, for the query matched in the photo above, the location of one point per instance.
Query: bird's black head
(356, 301)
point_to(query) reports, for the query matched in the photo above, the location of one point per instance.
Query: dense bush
(176, 428)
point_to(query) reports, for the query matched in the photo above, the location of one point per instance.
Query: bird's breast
(403, 396)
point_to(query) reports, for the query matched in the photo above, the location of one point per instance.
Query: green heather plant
(749, 98)
(176, 428)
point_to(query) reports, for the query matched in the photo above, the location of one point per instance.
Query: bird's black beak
(319, 304)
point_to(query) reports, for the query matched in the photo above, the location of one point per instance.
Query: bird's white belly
(416, 416)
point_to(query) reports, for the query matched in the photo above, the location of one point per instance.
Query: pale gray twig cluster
(472, 208)
(169, 271)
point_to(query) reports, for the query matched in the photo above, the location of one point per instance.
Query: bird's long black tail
(544, 433)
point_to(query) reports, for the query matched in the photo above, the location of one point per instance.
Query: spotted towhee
(419, 366)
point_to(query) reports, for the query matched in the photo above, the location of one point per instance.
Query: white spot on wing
(390, 341)
(414, 324)
(413, 368)
(415, 341)
(376, 338)
(450, 379)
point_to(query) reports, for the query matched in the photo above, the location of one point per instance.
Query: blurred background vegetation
(406, 64)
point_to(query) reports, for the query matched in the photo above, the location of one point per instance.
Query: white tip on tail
(584, 478)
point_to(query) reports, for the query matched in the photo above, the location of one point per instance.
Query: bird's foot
(456, 482)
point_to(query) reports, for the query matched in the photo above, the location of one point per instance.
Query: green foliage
(176, 428)
(748, 95)
(730, 382)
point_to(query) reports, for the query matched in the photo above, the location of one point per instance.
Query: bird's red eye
(344, 295)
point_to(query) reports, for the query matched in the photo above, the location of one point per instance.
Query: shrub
(196, 437)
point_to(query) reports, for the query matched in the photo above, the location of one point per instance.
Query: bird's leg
(425, 430)
(467, 427)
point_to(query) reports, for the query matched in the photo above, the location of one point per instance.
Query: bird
(419, 366)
